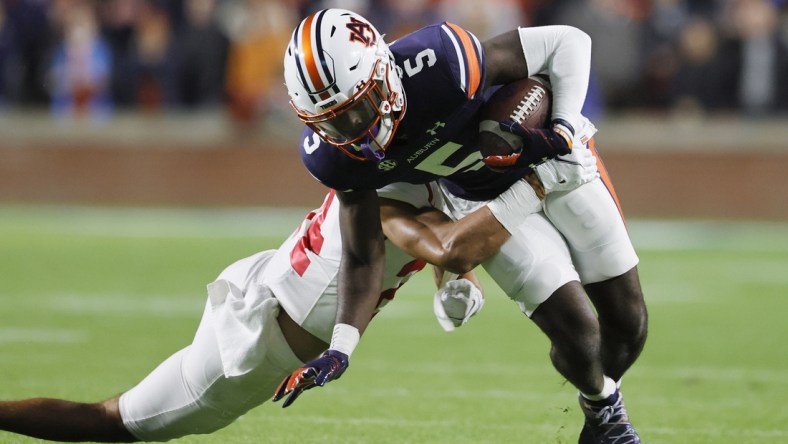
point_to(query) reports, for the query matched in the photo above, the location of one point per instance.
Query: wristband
(564, 129)
(515, 204)
(564, 125)
(345, 338)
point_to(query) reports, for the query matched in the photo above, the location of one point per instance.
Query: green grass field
(93, 299)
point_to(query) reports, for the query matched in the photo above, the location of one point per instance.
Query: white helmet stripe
(321, 54)
(296, 54)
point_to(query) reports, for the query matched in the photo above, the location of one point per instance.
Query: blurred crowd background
(83, 57)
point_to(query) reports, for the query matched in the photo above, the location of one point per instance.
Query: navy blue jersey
(442, 74)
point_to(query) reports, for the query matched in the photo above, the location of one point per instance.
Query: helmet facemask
(363, 123)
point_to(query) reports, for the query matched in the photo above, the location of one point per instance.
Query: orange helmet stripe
(309, 58)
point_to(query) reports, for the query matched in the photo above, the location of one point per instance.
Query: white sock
(608, 389)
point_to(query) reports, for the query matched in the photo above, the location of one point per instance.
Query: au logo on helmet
(361, 32)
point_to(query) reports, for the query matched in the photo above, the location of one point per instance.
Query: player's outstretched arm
(359, 286)
(430, 235)
(460, 246)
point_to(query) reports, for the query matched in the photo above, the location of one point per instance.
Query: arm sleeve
(564, 54)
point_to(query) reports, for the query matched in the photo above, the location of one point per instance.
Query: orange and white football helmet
(343, 82)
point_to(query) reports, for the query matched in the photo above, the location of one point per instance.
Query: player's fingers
(501, 161)
(283, 387)
(510, 126)
(301, 380)
(305, 379)
(293, 396)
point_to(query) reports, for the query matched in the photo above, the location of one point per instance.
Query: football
(528, 102)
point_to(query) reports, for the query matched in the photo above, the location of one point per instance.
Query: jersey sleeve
(465, 57)
(564, 54)
(334, 169)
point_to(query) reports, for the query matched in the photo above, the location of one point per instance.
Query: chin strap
(372, 153)
(370, 148)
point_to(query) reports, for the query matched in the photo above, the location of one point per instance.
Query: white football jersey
(302, 274)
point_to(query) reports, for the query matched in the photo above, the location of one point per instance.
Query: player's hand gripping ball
(515, 128)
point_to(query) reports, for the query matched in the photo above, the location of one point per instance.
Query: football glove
(538, 145)
(456, 302)
(329, 366)
(565, 173)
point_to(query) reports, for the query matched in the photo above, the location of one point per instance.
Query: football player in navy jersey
(408, 112)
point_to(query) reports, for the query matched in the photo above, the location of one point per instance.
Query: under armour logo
(438, 124)
(387, 165)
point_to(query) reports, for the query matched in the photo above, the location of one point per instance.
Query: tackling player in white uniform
(240, 353)
(269, 313)
(265, 316)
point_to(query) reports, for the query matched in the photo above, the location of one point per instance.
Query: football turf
(93, 299)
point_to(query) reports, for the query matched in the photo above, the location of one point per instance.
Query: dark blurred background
(692, 78)
(82, 56)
